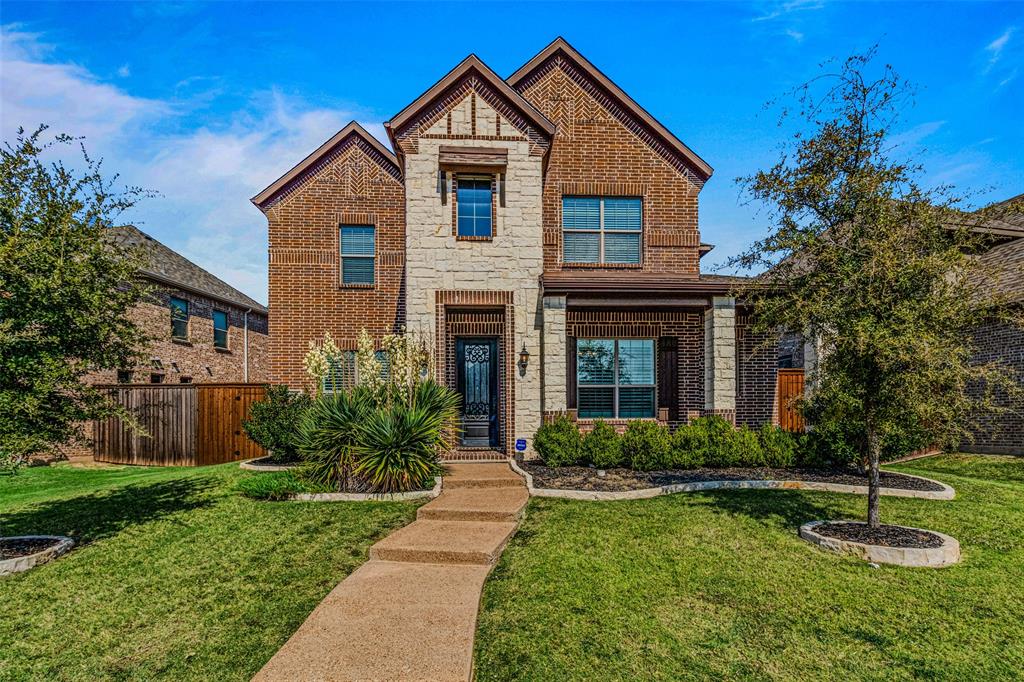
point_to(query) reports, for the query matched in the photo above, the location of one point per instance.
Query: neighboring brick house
(203, 329)
(543, 230)
(1003, 431)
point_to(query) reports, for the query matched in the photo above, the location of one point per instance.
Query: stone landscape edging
(369, 497)
(947, 492)
(249, 466)
(920, 557)
(23, 563)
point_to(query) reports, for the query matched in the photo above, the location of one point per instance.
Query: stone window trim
(365, 220)
(602, 191)
(453, 196)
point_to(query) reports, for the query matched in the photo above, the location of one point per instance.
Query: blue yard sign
(520, 444)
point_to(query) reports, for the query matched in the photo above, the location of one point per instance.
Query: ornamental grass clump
(645, 446)
(602, 446)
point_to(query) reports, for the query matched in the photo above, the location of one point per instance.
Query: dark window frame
(177, 319)
(616, 386)
(226, 329)
(484, 178)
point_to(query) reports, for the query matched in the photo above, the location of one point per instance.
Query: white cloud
(778, 10)
(124, 71)
(914, 136)
(205, 176)
(996, 47)
(795, 35)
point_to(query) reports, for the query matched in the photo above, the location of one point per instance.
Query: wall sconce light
(524, 360)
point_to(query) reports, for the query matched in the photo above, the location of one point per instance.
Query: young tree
(65, 293)
(873, 266)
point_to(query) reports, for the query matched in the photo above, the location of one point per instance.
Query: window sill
(181, 342)
(601, 266)
(226, 351)
(460, 238)
(357, 286)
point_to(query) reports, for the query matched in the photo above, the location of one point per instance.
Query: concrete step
(477, 504)
(481, 475)
(445, 542)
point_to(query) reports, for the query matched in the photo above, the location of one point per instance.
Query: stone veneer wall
(512, 261)
(720, 356)
(1001, 432)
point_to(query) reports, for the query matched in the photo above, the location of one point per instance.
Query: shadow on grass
(88, 518)
(780, 507)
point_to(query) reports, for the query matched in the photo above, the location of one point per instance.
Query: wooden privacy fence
(185, 424)
(790, 389)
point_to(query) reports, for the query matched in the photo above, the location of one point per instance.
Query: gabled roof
(1003, 269)
(560, 45)
(168, 267)
(323, 150)
(470, 64)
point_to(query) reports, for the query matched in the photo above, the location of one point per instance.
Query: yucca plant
(399, 446)
(329, 434)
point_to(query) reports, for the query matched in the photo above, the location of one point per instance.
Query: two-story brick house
(543, 230)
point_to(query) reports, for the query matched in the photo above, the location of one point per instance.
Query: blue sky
(209, 103)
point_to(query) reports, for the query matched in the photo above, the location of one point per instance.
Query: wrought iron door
(477, 383)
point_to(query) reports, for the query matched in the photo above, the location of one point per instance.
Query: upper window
(601, 229)
(474, 206)
(220, 329)
(179, 318)
(343, 373)
(615, 378)
(357, 254)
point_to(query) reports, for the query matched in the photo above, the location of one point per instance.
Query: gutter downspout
(245, 345)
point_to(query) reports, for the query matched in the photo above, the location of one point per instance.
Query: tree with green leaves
(65, 294)
(875, 268)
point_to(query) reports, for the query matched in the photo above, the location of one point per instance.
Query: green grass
(177, 575)
(719, 586)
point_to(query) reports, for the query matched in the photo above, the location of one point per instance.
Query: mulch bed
(885, 536)
(267, 462)
(11, 548)
(587, 478)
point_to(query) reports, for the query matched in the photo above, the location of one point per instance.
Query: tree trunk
(874, 455)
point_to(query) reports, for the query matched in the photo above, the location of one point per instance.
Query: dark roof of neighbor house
(168, 267)
(1003, 269)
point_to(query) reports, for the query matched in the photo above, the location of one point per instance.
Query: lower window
(615, 378)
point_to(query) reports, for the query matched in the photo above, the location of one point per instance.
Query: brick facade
(556, 128)
(352, 185)
(1001, 432)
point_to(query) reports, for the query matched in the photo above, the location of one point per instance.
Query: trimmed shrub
(559, 443)
(602, 447)
(645, 446)
(687, 447)
(778, 445)
(744, 449)
(712, 434)
(273, 422)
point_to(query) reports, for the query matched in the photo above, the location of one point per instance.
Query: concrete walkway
(410, 612)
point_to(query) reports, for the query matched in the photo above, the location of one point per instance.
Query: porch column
(720, 357)
(553, 350)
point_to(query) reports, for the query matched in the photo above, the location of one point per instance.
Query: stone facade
(556, 128)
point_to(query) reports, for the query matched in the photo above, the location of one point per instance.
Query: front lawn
(718, 586)
(176, 577)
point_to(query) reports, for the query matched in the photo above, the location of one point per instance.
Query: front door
(477, 383)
